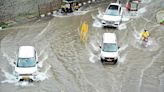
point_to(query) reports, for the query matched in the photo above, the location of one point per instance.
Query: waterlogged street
(67, 65)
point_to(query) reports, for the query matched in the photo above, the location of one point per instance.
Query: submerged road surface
(67, 65)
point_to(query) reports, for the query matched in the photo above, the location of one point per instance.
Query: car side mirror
(100, 46)
(15, 63)
(37, 62)
(118, 47)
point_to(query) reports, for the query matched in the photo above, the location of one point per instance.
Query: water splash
(122, 26)
(123, 48)
(43, 75)
(100, 14)
(97, 24)
(76, 13)
(122, 58)
(152, 44)
(137, 35)
(125, 18)
(93, 17)
(141, 11)
(11, 60)
(126, 15)
(10, 78)
(98, 18)
(40, 64)
(145, 1)
(96, 48)
(24, 84)
(91, 58)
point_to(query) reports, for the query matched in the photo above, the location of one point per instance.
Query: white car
(113, 15)
(26, 64)
(109, 48)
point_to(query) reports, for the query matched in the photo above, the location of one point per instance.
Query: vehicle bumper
(110, 24)
(109, 60)
(32, 77)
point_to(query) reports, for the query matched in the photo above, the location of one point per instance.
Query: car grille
(25, 74)
(109, 58)
(110, 22)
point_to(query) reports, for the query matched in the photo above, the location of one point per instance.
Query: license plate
(109, 59)
(25, 78)
(110, 22)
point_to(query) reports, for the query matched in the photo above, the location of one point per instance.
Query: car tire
(120, 22)
(115, 61)
(102, 60)
(30, 80)
(21, 79)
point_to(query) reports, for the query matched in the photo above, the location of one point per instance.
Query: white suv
(113, 15)
(26, 64)
(109, 48)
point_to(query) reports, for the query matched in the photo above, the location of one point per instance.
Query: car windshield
(26, 62)
(112, 10)
(109, 47)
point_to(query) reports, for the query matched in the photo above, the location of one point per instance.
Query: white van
(109, 48)
(26, 64)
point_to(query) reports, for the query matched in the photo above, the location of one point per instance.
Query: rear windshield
(26, 62)
(113, 7)
(112, 10)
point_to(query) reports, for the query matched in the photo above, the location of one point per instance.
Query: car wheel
(30, 80)
(120, 22)
(115, 61)
(21, 79)
(102, 61)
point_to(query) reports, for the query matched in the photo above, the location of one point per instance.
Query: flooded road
(67, 65)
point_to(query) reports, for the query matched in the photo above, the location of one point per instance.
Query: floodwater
(67, 65)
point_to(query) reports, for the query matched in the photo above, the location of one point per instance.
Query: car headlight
(103, 21)
(102, 57)
(116, 22)
(115, 58)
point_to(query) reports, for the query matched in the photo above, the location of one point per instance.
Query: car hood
(109, 54)
(111, 18)
(21, 70)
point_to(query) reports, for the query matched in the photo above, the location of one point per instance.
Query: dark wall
(9, 9)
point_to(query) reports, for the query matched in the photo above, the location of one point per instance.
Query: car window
(26, 62)
(109, 47)
(113, 7)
